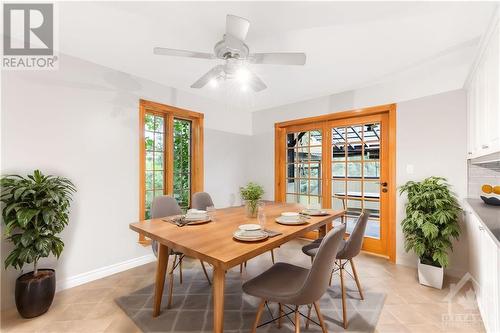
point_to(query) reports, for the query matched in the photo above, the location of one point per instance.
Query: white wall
(430, 136)
(81, 122)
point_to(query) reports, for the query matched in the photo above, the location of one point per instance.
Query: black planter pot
(34, 295)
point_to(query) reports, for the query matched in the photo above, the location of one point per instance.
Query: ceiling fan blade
(211, 74)
(256, 83)
(182, 53)
(278, 58)
(237, 26)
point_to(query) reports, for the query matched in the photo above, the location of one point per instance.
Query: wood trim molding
(343, 118)
(170, 113)
(338, 115)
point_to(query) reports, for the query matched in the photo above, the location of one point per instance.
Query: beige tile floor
(409, 307)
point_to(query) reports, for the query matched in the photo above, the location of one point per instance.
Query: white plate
(239, 235)
(300, 221)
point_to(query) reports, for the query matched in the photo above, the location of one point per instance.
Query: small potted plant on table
(36, 210)
(430, 224)
(252, 193)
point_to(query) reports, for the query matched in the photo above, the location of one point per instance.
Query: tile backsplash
(480, 174)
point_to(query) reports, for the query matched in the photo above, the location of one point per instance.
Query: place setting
(192, 217)
(292, 218)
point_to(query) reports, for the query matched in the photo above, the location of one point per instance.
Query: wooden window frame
(197, 143)
(324, 121)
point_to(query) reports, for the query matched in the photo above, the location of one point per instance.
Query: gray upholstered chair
(201, 200)
(348, 249)
(290, 285)
(163, 206)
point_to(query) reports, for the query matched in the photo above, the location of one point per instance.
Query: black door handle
(383, 184)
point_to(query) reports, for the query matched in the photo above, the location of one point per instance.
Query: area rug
(192, 308)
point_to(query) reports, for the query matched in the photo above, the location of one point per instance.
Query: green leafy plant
(431, 220)
(252, 193)
(36, 210)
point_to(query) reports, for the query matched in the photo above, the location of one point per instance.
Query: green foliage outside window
(431, 220)
(182, 162)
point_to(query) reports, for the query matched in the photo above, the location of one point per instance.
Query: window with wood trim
(171, 154)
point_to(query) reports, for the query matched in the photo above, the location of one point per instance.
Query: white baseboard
(102, 272)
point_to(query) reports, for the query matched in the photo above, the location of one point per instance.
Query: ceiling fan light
(213, 83)
(242, 74)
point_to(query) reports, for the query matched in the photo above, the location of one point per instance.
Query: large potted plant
(35, 211)
(251, 194)
(430, 224)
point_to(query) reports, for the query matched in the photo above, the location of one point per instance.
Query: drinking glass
(261, 216)
(211, 213)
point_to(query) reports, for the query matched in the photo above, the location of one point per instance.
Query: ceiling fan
(235, 52)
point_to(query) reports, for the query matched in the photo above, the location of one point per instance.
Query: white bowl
(249, 227)
(250, 230)
(290, 216)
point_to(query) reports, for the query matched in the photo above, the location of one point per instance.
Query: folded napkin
(272, 233)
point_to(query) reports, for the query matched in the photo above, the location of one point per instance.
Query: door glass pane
(338, 152)
(304, 158)
(354, 170)
(371, 132)
(356, 183)
(182, 162)
(371, 170)
(354, 134)
(354, 152)
(372, 151)
(354, 189)
(338, 170)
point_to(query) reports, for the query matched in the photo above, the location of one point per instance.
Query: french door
(343, 164)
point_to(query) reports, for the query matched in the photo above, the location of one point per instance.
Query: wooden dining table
(213, 243)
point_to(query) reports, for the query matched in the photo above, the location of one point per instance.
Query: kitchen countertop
(488, 215)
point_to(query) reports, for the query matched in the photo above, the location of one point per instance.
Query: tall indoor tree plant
(36, 210)
(430, 225)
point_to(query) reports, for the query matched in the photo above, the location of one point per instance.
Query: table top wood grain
(213, 242)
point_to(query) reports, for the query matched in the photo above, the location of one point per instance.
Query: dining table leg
(219, 280)
(322, 231)
(161, 270)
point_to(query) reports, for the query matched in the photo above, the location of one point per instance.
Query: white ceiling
(348, 44)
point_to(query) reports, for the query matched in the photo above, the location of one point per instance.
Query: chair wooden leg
(331, 276)
(312, 259)
(259, 313)
(297, 320)
(181, 257)
(272, 256)
(171, 283)
(280, 314)
(356, 279)
(320, 317)
(342, 285)
(205, 271)
(308, 315)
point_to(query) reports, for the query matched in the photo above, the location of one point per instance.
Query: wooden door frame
(170, 112)
(322, 121)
